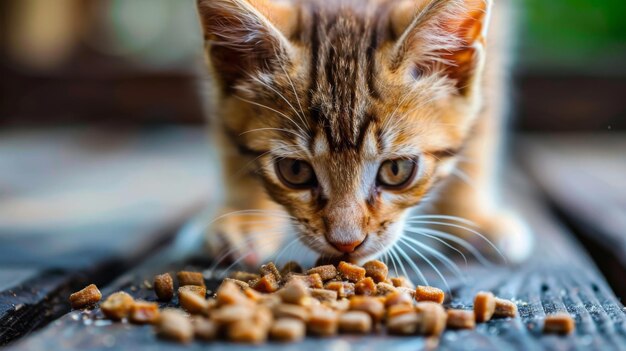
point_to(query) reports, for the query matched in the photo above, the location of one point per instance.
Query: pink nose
(348, 247)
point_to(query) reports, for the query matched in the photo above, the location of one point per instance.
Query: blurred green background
(580, 36)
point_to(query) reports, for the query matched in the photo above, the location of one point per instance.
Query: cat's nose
(348, 247)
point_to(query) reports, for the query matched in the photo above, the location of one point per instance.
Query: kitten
(339, 117)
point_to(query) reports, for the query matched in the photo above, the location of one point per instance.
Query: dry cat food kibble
(429, 293)
(376, 270)
(505, 308)
(117, 305)
(286, 305)
(484, 306)
(190, 278)
(143, 312)
(288, 329)
(174, 325)
(88, 296)
(461, 319)
(164, 287)
(559, 323)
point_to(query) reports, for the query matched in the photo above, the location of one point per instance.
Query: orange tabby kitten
(338, 117)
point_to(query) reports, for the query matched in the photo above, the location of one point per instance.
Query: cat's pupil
(395, 168)
(295, 167)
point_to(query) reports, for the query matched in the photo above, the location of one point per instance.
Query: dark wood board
(560, 277)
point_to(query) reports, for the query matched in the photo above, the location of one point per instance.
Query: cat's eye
(295, 173)
(396, 174)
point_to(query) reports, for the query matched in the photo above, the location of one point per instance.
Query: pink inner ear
(469, 29)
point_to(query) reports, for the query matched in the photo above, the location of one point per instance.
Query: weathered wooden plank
(560, 277)
(86, 202)
(583, 177)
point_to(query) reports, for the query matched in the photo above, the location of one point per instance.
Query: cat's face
(353, 110)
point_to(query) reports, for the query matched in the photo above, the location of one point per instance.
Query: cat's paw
(511, 235)
(243, 237)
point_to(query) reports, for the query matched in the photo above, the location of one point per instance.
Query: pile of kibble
(287, 304)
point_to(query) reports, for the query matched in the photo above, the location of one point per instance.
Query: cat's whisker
(302, 136)
(463, 243)
(444, 217)
(295, 93)
(430, 263)
(470, 230)
(452, 267)
(238, 248)
(394, 251)
(243, 256)
(268, 128)
(464, 177)
(412, 263)
(448, 245)
(284, 98)
(285, 248)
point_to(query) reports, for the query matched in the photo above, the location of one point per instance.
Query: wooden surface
(561, 276)
(87, 204)
(584, 178)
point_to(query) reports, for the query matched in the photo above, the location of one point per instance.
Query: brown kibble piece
(164, 287)
(230, 294)
(270, 268)
(326, 272)
(88, 296)
(294, 292)
(291, 267)
(315, 281)
(429, 293)
(244, 276)
(190, 278)
(376, 270)
(247, 331)
(408, 291)
(267, 284)
(342, 305)
(191, 301)
(384, 289)
(461, 319)
(343, 289)
(144, 312)
(365, 286)
(397, 310)
(484, 306)
(433, 318)
(369, 304)
(402, 282)
(174, 325)
(311, 281)
(288, 329)
(194, 289)
(398, 298)
(240, 283)
(351, 271)
(286, 310)
(231, 313)
(117, 305)
(357, 322)
(505, 308)
(204, 329)
(323, 322)
(404, 324)
(323, 294)
(559, 323)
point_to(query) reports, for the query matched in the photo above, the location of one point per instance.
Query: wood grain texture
(560, 277)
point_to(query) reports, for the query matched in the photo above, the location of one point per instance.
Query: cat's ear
(244, 37)
(444, 36)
